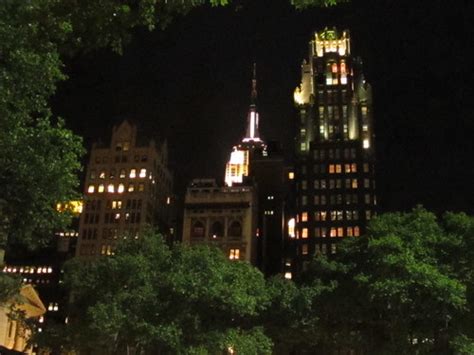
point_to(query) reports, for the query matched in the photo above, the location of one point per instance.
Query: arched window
(235, 229)
(197, 230)
(217, 229)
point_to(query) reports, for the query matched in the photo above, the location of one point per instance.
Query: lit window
(91, 189)
(303, 147)
(350, 231)
(332, 169)
(354, 167)
(291, 228)
(111, 188)
(354, 183)
(338, 168)
(340, 232)
(133, 173)
(126, 146)
(366, 143)
(291, 175)
(121, 188)
(333, 232)
(142, 172)
(288, 275)
(304, 217)
(101, 188)
(347, 168)
(304, 233)
(234, 254)
(356, 231)
(168, 200)
(123, 174)
(102, 175)
(131, 187)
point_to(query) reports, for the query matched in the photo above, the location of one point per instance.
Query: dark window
(235, 229)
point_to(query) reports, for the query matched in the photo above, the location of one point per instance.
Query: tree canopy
(154, 299)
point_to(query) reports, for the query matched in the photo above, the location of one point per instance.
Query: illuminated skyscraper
(238, 165)
(128, 187)
(334, 168)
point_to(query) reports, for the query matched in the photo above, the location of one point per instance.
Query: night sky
(191, 84)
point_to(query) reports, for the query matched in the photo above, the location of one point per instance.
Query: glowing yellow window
(234, 254)
(101, 188)
(291, 228)
(304, 233)
(133, 173)
(304, 217)
(338, 168)
(131, 187)
(123, 174)
(102, 175)
(91, 189)
(354, 183)
(350, 231)
(142, 172)
(111, 188)
(121, 188)
(291, 175)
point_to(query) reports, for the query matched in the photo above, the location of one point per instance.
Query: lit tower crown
(252, 133)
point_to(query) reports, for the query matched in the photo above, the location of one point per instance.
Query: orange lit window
(343, 67)
(304, 233)
(356, 231)
(340, 232)
(333, 232)
(304, 217)
(338, 168)
(331, 169)
(354, 167)
(334, 68)
(354, 183)
(234, 254)
(91, 189)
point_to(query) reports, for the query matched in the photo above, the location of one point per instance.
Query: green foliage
(150, 297)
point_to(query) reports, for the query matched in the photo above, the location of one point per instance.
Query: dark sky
(191, 84)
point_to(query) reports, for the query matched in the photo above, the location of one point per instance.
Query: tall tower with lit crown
(334, 170)
(238, 164)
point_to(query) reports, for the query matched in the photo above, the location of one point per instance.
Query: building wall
(212, 214)
(127, 187)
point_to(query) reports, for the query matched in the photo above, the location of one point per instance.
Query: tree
(397, 292)
(150, 298)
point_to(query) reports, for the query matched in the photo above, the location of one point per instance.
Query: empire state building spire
(252, 133)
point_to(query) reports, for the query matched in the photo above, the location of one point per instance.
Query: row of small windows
(335, 215)
(128, 217)
(107, 233)
(216, 229)
(339, 199)
(322, 184)
(332, 232)
(122, 174)
(112, 188)
(332, 96)
(335, 168)
(347, 153)
(95, 205)
(319, 249)
(28, 269)
(120, 159)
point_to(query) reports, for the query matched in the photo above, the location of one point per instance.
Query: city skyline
(162, 83)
